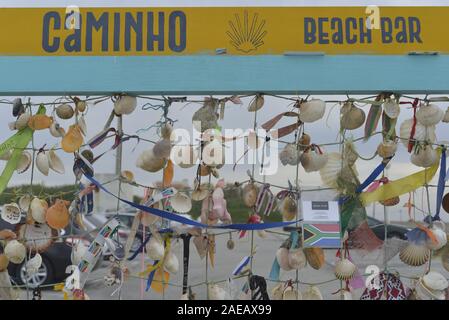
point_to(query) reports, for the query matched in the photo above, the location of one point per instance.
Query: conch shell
(73, 139)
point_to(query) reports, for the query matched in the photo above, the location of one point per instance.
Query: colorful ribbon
(441, 184)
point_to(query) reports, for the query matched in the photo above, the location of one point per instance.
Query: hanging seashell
(57, 216)
(304, 141)
(205, 170)
(334, 170)
(155, 248)
(216, 293)
(149, 162)
(24, 202)
(4, 262)
(181, 203)
(56, 130)
(15, 251)
(206, 117)
(424, 156)
(313, 160)
(312, 293)
(38, 209)
(429, 115)
(291, 294)
(289, 208)
(391, 108)
(17, 107)
(282, 258)
(277, 292)
(125, 105)
(345, 295)
(78, 252)
(431, 286)
(230, 244)
(32, 266)
(315, 257)
(439, 231)
(352, 117)
(296, 258)
(54, 162)
(171, 263)
(65, 111)
(40, 122)
(82, 125)
(200, 193)
(166, 130)
(422, 133)
(42, 162)
(256, 103)
(6, 155)
(21, 122)
(446, 116)
(311, 111)
(162, 149)
(414, 255)
(344, 269)
(24, 162)
(73, 140)
(80, 105)
(11, 213)
(290, 155)
(387, 149)
(250, 193)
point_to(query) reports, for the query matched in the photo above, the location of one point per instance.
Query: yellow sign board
(236, 31)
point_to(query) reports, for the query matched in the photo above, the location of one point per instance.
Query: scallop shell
(11, 213)
(65, 111)
(250, 193)
(435, 281)
(414, 255)
(125, 105)
(290, 155)
(55, 163)
(312, 160)
(24, 202)
(344, 269)
(40, 122)
(387, 148)
(352, 117)
(446, 116)
(291, 294)
(282, 258)
(424, 157)
(24, 162)
(256, 103)
(289, 209)
(6, 155)
(429, 115)
(155, 248)
(181, 203)
(422, 133)
(277, 292)
(184, 156)
(149, 162)
(200, 194)
(42, 162)
(56, 130)
(312, 293)
(333, 170)
(171, 263)
(162, 149)
(311, 111)
(296, 258)
(441, 239)
(391, 108)
(38, 209)
(15, 251)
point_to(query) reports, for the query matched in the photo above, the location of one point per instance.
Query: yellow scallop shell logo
(246, 33)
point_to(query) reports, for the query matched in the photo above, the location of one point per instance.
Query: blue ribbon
(174, 217)
(151, 276)
(441, 183)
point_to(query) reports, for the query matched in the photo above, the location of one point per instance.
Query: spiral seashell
(414, 255)
(344, 269)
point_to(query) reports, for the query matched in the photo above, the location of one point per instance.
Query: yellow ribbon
(401, 186)
(151, 268)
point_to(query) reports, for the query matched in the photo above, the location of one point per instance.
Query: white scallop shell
(290, 155)
(311, 111)
(282, 258)
(38, 210)
(296, 258)
(435, 281)
(24, 202)
(429, 115)
(414, 255)
(424, 157)
(312, 293)
(55, 163)
(184, 156)
(422, 133)
(344, 269)
(42, 163)
(391, 108)
(181, 202)
(155, 248)
(313, 160)
(149, 162)
(333, 169)
(441, 239)
(32, 266)
(24, 162)
(15, 251)
(125, 105)
(22, 121)
(256, 103)
(387, 148)
(446, 116)
(171, 263)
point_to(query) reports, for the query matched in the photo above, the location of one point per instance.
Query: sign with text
(320, 211)
(231, 30)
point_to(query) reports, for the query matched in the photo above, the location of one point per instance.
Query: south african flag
(323, 235)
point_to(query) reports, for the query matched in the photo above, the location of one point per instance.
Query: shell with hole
(315, 257)
(439, 231)
(334, 169)
(42, 162)
(256, 103)
(422, 133)
(171, 263)
(65, 111)
(312, 110)
(344, 269)
(38, 209)
(290, 155)
(352, 117)
(125, 104)
(296, 258)
(429, 115)
(73, 139)
(21, 122)
(289, 208)
(249, 194)
(56, 130)
(40, 122)
(414, 255)
(391, 108)
(11, 213)
(313, 160)
(184, 156)
(155, 248)
(312, 293)
(15, 251)
(57, 216)
(387, 148)
(282, 258)
(149, 162)
(446, 116)
(24, 162)
(55, 163)
(424, 156)
(181, 202)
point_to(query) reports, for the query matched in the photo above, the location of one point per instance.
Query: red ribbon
(412, 132)
(253, 219)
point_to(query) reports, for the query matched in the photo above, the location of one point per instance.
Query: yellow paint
(277, 30)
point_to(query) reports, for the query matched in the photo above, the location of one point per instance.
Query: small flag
(242, 264)
(322, 235)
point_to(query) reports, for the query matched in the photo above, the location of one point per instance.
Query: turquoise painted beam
(223, 74)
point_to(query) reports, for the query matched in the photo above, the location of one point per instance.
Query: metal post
(118, 158)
